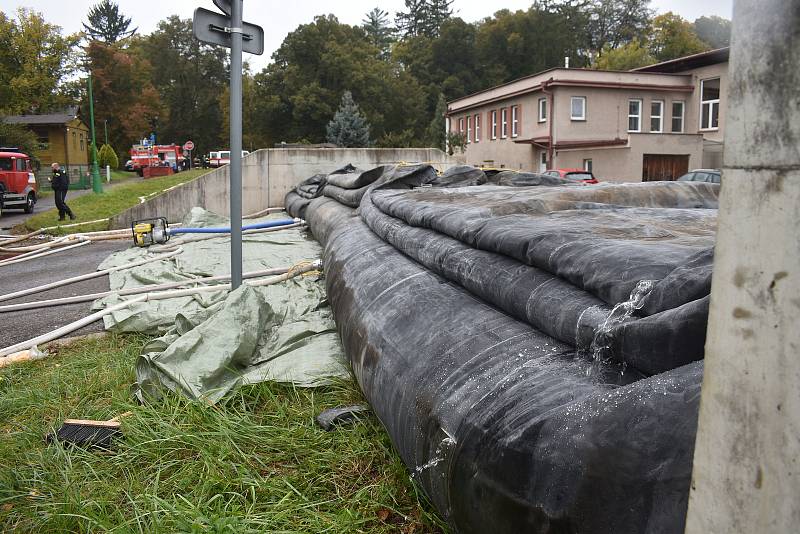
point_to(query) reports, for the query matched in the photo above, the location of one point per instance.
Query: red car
(17, 181)
(576, 175)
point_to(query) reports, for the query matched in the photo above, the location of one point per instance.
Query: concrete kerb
(267, 175)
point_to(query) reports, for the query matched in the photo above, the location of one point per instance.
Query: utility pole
(230, 31)
(97, 185)
(105, 127)
(236, 143)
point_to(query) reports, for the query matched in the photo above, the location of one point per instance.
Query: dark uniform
(60, 183)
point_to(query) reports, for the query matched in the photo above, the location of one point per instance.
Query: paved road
(23, 325)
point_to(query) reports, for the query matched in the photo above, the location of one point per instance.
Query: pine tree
(107, 156)
(435, 133)
(379, 31)
(349, 127)
(423, 17)
(107, 24)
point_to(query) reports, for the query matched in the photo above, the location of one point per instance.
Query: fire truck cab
(18, 188)
(144, 156)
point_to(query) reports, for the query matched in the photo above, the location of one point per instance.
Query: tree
(672, 36)
(423, 17)
(435, 134)
(107, 156)
(613, 23)
(628, 56)
(35, 60)
(714, 31)
(379, 32)
(123, 93)
(16, 135)
(191, 79)
(107, 24)
(298, 93)
(349, 127)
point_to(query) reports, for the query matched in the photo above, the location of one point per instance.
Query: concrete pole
(236, 143)
(746, 474)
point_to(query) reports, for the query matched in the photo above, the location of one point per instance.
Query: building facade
(63, 137)
(653, 123)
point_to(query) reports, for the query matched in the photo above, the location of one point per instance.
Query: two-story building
(652, 123)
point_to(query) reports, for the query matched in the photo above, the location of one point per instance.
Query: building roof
(653, 81)
(702, 59)
(50, 118)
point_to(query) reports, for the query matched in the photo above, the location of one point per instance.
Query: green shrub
(107, 156)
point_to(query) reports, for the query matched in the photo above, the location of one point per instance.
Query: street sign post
(188, 146)
(217, 29)
(229, 31)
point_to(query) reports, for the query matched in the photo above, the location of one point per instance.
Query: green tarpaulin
(211, 343)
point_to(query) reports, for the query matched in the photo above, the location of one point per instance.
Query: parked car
(129, 165)
(576, 175)
(712, 176)
(18, 188)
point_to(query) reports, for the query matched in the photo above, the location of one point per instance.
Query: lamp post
(97, 185)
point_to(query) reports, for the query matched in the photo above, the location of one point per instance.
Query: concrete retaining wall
(267, 175)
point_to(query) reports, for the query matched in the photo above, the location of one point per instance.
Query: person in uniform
(60, 183)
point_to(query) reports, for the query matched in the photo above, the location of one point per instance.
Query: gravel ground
(22, 325)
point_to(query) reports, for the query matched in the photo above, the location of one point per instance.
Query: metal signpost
(229, 31)
(188, 146)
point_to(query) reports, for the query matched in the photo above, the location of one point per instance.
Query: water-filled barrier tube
(534, 351)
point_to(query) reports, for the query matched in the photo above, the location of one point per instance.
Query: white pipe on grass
(87, 276)
(71, 327)
(63, 301)
(64, 330)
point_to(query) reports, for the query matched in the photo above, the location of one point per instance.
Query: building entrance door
(542, 161)
(656, 167)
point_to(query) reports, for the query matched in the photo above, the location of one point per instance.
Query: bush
(107, 156)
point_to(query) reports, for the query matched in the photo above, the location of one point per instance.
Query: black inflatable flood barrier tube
(505, 430)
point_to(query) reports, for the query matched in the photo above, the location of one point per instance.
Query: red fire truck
(156, 160)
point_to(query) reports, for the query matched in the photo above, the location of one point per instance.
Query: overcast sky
(278, 18)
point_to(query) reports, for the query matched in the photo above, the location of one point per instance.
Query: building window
(494, 124)
(504, 122)
(709, 104)
(677, 116)
(469, 129)
(81, 142)
(657, 116)
(634, 115)
(578, 108)
(542, 109)
(514, 121)
(587, 165)
(477, 127)
(74, 141)
(461, 125)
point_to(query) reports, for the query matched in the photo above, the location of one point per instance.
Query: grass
(90, 207)
(255, 462)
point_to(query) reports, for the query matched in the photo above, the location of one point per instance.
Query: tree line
(392, 75)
